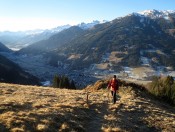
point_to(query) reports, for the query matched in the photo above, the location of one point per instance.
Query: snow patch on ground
(105, 57)
(46, 83)
(145, 61)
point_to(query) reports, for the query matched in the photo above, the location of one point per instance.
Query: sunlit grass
(31, 108)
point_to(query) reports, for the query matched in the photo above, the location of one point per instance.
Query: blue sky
(36, 14)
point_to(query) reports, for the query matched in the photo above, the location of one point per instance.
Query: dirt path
(97, 120)
(103, 116)
(130, 113)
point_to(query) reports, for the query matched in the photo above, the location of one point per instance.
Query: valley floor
(30, 108)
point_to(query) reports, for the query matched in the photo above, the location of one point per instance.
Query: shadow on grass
(3, 128)
(68, 119)
(98, 111)
(11, 106)
(131, 119)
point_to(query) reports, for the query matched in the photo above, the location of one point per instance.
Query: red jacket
(113, 84)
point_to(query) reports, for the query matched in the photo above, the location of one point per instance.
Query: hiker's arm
(109, 85)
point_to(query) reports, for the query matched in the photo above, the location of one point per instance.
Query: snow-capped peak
(60, 28)
(91, 24)
(155, 13)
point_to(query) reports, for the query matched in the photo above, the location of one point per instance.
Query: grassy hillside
(30, 108)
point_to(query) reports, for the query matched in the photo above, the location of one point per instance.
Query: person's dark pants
(114, 96)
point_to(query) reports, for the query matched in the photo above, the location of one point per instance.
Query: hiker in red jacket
(113, 86)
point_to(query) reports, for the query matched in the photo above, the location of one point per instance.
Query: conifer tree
(61, 85)
(63, 82)
(72, 85)
(55, 81)
(66, 82)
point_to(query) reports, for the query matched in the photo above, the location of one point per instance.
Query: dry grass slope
(30, 108)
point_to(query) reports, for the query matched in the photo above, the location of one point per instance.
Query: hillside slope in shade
(12, 73)
(3, 48)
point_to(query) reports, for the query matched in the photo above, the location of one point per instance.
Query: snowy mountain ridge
(82, 25)
(91, 24)
(20, 39)
(154, 14)
(52, 30)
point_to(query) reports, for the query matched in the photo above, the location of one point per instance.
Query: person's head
(114, 76)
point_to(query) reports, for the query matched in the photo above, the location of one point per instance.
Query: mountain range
(138, 45)
(145, 38)
(21, 39)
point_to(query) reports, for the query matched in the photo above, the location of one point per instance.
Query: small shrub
(164, 88)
